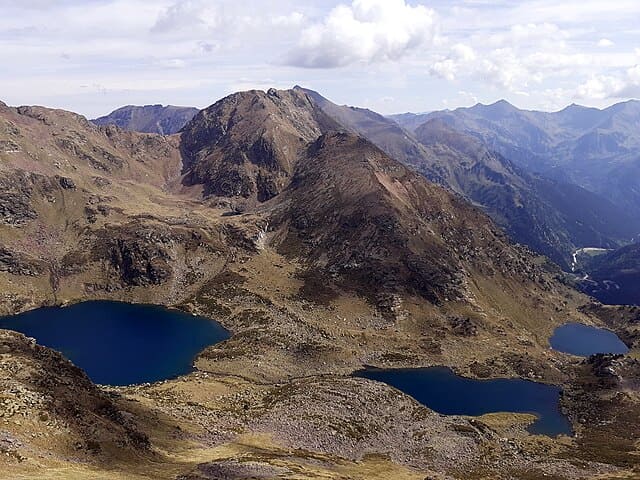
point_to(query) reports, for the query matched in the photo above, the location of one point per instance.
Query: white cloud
(463, 52)
(625, 84)
(605, 43)
(523, 58)
(598, 86)
(511, 59)
(366, 31)
(630, 85)
(504, 68)
(446, 68)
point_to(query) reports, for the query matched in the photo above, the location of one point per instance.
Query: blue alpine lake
(583, 340)
(441, 390)
(120, 343)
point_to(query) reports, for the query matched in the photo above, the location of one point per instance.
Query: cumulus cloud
(460, 55)
(364, 32)
(463, 52)
(629, 86)
(505, 68)
(598, 86)
(446, 68)
(605, 43)
(624, 84)
(512, 58)
(521, 57)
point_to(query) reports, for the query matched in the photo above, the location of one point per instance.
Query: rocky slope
(246, 146)
(356, 215)
(164, 120)
(348, 258)
(551, 217)
(45, 393)
(91, 209)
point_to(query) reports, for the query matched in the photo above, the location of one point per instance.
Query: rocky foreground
(320, 254)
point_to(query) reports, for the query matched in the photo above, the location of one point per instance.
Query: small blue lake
(441, 390)
(120, 343)
(583, 340)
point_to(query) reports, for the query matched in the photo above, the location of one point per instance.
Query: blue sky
(389, 55)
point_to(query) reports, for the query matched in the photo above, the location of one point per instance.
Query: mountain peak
(165, 120)
(501, 102)
(494, 110)
(315, 96)
(631, 106)
(246, 145)
(576, 108)
(501, 106)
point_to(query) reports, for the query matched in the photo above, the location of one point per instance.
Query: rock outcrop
(41, 388)
(246, 146)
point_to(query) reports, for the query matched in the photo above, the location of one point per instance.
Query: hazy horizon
(346, 104)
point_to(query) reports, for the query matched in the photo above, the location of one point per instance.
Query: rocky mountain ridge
(595, 149)
(348, 258)
(164, 120)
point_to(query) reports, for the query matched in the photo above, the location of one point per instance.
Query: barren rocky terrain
(321, 254)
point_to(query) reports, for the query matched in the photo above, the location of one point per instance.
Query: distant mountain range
(149, 118)
(495, 156)
(551, 216)
(598, 150)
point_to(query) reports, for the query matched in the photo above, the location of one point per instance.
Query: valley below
(321, 255)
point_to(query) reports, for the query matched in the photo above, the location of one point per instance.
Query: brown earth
(321, 255)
